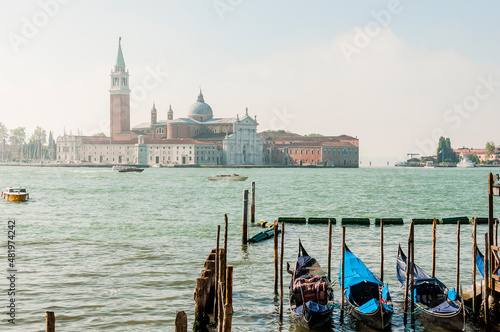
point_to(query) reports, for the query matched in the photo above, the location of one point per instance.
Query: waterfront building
(480, 153)
(294, 149)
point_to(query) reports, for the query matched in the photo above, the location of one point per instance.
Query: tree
(101, 134)
(313, 135)
(4, 134)
(445, 152)
(490, 149)
(37, 142)
(52, 147)
(18, 138)
(473, 157)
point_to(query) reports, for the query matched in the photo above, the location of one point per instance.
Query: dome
(200, 108)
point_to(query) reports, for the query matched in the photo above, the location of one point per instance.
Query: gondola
(311, 294)
(480, 262)
(433, 301)
(368, 300)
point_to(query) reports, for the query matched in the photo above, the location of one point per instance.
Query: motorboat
(233, 177)
(126, 169)
(465, 162)
(15, 194)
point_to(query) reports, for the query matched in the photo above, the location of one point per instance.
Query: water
(111, 251)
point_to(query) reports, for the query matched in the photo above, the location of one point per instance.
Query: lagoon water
(111, 251)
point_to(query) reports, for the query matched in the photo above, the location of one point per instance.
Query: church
(198, 139)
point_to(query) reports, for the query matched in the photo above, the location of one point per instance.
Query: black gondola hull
(378, 319)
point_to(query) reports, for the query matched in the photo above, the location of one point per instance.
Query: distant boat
(157, 165)
(126, 169)
(234, 177)
(465, 162)
(15, 194)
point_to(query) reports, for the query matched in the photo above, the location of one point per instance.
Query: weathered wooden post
(329, 247)
(412, 269)
(201, 319)
(382, 252)
(407, 281)
(225, 233)
(458, 255)
(474, 253)
(281, 268)
(490, 225)
(276, 232)
(434, 222)
(245, 217)
(342, 277)
(216, 275)
(252, 205)
(496, 232)
(486, 304)
(181, 323)
(50, 321)
(228, 309)
(221, 290)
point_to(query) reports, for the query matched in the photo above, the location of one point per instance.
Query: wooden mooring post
(434, 222)
(50, 321)
(329, 248)
(252, 205)
(342, 277)
(474, 253)
(228, 308)
(201, 318)
(281, 268)
(216, 274)
(382, 251)
(245, 217)
(485, 301)
(276, 257)
(458, 256)
(412, 269)
(181, 324)
(221, 291)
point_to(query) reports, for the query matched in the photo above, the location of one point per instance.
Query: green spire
(119, 59)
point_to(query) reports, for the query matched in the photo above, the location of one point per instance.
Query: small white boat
(465, 162)
(15, 194)
(157, 165)
(234, 177)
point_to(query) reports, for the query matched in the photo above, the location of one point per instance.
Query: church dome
(200, 109)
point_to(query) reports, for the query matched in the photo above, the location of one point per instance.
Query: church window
(312, 151)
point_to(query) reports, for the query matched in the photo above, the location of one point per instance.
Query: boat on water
(433, 301)
(233, 177)
(126, 169)
(465, 162)
(368, 300)
(15, 194)
(311, 294)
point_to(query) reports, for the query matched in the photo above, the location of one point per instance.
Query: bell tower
(119, 96)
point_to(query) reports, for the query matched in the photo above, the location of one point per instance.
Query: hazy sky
(396, 74)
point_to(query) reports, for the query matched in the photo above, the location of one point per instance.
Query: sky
(395, 74)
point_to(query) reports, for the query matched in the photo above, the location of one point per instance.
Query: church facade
(197, 139)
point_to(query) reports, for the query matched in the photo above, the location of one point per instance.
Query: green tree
(101, 134)
(4, 134)
(37, 142)
(18, 138)
(490, 149)
(314, 135)
(445, 152)
(51, 153)
(473, 157)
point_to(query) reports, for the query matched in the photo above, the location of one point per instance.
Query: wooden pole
(342, 276)
(228, 310)
(407, 279)
(474, 253)
(221, 289)
(181, 323)
(252, 206)
(382, 252)
(225, 233)
(276, 257)
(412, 269)
(216, 279)
(50, 321)
(486, 279)
(245, 217)
(496, 232)
(329, 248)
(458, 255)
(434, 222)
(490, 225)
(201, 319)
(281, 268)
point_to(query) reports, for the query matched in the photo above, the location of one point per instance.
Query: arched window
(160, 131)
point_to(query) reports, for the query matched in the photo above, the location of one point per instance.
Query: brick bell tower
(119, 96)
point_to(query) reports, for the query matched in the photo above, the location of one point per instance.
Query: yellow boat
(15, 194)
